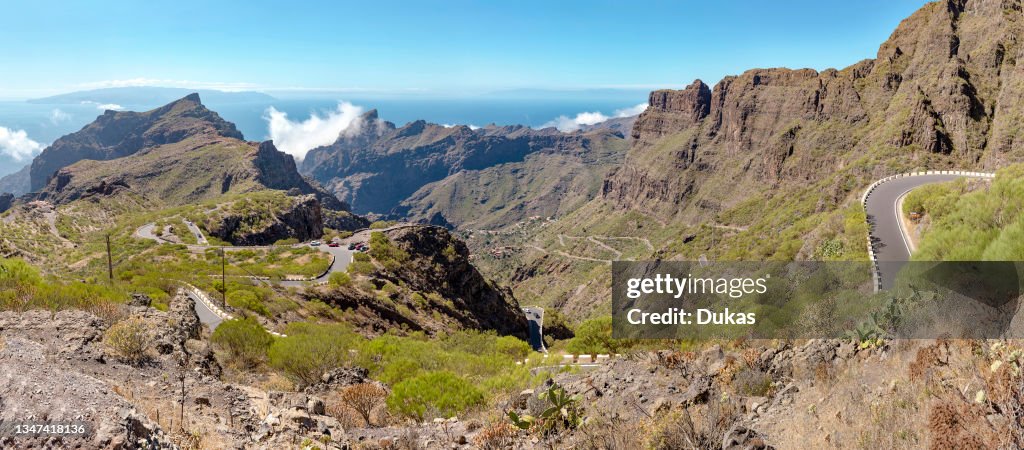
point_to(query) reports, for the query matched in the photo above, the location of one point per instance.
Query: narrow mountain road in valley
(342, 256)
(889, 240)
(535, 322)
(206, 314)
(200, 238)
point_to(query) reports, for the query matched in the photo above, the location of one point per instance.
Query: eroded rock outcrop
(277, 170)
(299, 217)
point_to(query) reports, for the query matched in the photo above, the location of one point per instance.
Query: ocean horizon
(44, 123)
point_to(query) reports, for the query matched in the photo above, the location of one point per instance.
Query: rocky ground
(55, 367)
(729, 395)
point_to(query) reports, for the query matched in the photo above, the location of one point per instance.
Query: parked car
(315, 244)
(334, 244)
(352, 246)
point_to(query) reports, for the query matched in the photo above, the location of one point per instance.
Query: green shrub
(382, 224)
(985, 225)
(310, 350)
(361, 267)
(450, 253)
(16, 273)
(244, 340)
(23, 288)
(339, 279)
(386, 253)
(595, 337)
(441, 393)
(419, 300)
(515, 348)
(248, 300)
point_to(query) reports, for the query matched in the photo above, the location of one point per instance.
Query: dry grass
(700, 427)
(277, 382)
(606, 434)
(496, 436)
(129, 339)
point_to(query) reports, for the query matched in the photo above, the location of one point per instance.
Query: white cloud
(17, 145)
(564, 123)
(631, 111)
(156, 82)
(450, 125)
(104, 106)
(298, 138)
(58, 116)
(567, 124)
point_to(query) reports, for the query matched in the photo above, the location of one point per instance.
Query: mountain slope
(768, 164)
(545, 183)
(178, 154)
(16, 183)
(116, 134)
(385, 169)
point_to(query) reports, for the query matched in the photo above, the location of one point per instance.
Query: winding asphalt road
(206, 315)
(342, 258)
(535, 326)
(892, 247)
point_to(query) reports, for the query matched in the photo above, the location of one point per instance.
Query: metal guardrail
(575, 360)
(876, 274)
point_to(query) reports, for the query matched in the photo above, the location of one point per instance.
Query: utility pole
(110, 261)
(223, 278)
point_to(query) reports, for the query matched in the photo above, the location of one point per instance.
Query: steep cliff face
(381, 166)
(440, 262)
(277, 170)
(6, 199)
(769, 164)
(941, 93)
(116, 134)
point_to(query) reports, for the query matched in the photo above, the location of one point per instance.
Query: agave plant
(564, 413)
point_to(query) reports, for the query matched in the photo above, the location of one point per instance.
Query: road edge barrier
(876, 274)
(212, 306)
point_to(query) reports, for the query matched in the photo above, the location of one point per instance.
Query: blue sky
(442, 48)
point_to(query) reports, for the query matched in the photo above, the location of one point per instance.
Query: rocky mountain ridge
(177, 154)
(397, 171)
(938, 95)
(121, 133)
(769, 164)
